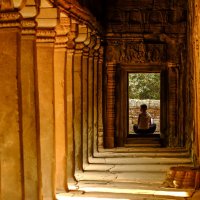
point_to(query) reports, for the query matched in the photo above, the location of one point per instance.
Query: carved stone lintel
(46, 35)
(9, 24)
(9, 16)
(28, 27)
(28, 23)
(10, 19)
(61, 41)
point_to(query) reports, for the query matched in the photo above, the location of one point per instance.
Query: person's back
(144, 120)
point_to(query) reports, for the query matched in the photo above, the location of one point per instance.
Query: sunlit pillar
(12, 185)
(91, 96)
(29, 129)
(59, 105)
(77, 95)
(96, 62)
(45, 102)
(85, 64)
(69, 103)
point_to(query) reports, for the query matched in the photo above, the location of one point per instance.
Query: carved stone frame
(122, 97)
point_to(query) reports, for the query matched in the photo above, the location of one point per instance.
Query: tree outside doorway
(144, 88)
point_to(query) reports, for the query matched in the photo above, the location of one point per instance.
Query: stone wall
(147, 36)
(153, 109)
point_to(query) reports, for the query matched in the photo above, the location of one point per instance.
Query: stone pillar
(78, 96)
(96, 62)
(194, 79)
(77, 107)
(59, 105)
(110, 106)
(12, 180)
(45, 102)
(172, 105)
(85, 62)
(69, 104)
(28, 106)
(100, 98)
(91, 96)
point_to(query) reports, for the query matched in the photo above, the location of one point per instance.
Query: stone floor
(133, 172)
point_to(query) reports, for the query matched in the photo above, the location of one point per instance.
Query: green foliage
(144, 85)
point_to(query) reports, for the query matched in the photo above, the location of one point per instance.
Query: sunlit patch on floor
(66, 197)
(176, 193)
(92, 193)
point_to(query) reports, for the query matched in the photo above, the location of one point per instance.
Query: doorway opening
(143, 88)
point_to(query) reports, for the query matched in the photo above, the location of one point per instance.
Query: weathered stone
(60, 123)
(10, 129)
(45, 53)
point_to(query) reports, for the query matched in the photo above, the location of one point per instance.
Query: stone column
(85, 62)
(96, 62)
(78, 96)
(12, 183)
(193, 114)
(110, 106)
(45, 102)
(172, 105)
(59, 106)
(77, 107)
(29, 129)
(69, 104)
(100, 98)
(91, 96)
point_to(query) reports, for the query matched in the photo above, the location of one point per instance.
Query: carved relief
(147, 16)
(129, 52)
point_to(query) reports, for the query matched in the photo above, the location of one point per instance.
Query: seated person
(144, 125)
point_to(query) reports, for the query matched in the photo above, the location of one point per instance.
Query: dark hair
(143, 106)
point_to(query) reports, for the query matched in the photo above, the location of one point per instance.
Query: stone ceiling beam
(74, 10)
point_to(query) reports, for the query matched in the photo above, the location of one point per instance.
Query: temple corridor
(64, 106)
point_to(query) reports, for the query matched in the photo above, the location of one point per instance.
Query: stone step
(142, 150)
(155, 135)
(130, 177)
(142, 154)
(143, 145)
(142, 140)
(130, 168)
(121, 190)
(139, 160)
